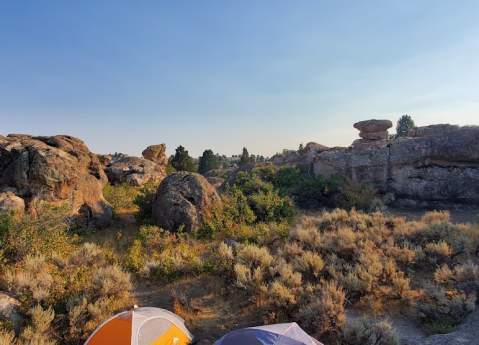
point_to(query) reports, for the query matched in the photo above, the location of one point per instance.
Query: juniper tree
(404, 125)
(207, 162)
(182, 161)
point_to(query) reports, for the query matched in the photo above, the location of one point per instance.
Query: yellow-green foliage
(378, 263)
(121, 197)
(160, 254)
(82, 288)
(358, 195)
(44, 233)
(229, 217)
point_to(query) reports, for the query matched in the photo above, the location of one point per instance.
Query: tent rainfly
(142, 326)
(278, 334)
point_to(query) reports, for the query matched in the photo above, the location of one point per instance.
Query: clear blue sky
(221, 75)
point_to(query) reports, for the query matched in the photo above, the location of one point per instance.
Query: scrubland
(257, 255)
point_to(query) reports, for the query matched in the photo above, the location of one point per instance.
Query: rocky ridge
(438, 167)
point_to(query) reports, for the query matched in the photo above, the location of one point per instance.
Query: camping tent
(142, 326)
(278, 334)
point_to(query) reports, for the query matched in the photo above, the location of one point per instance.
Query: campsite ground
(212, 308)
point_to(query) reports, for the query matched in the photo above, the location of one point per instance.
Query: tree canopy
(404, 125)
(182, 161)
(207, 162)
(245, 158)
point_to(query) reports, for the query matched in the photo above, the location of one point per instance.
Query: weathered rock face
(10, 202)
(311, 150)
(288, 158)
(277, 160)
(10, 310)
(57, 170)
(292, 157)
(428, 131)
(134, 170)
(216, 182)
(421, 172)
(181, 200)
(374, 135)
(156, 154)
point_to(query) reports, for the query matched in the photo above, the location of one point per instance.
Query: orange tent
(142, 326)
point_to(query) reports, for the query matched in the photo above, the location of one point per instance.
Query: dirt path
(209, 308)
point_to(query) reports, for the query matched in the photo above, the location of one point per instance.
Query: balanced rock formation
(57, 170)
(134, 170)
(156, 154)
(181, 201)
(430, 171)
(373, 129)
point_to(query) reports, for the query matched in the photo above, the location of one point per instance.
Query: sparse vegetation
(307, 268)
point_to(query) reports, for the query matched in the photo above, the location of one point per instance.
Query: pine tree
(404, 125)
(207, 162)
(244, 158)
(182, 161)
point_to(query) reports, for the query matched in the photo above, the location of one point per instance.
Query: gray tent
(278, 334)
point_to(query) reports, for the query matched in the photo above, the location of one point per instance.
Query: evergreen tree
(182, 161)
(404, 125)
(207, 162)
(244, 158)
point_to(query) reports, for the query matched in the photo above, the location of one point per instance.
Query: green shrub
(357, 195)
(227, 217)
(270, 207)
(121, 197)
(144, 202)
(367, 331)
(442, 325)
(45, 233)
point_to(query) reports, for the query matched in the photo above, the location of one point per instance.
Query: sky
(223, 75)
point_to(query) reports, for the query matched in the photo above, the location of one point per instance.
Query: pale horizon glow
(226, 75)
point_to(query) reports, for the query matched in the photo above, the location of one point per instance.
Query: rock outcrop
(181, 200)
(429, 171)
(432, 130)
(216, 182)
(10, 311)
(290, 157)
(134, 170)
(57, 170)
(373, 129)
(156, 154)
(9, 202)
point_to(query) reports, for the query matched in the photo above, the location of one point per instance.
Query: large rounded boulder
(181, 201)
(56, 170)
